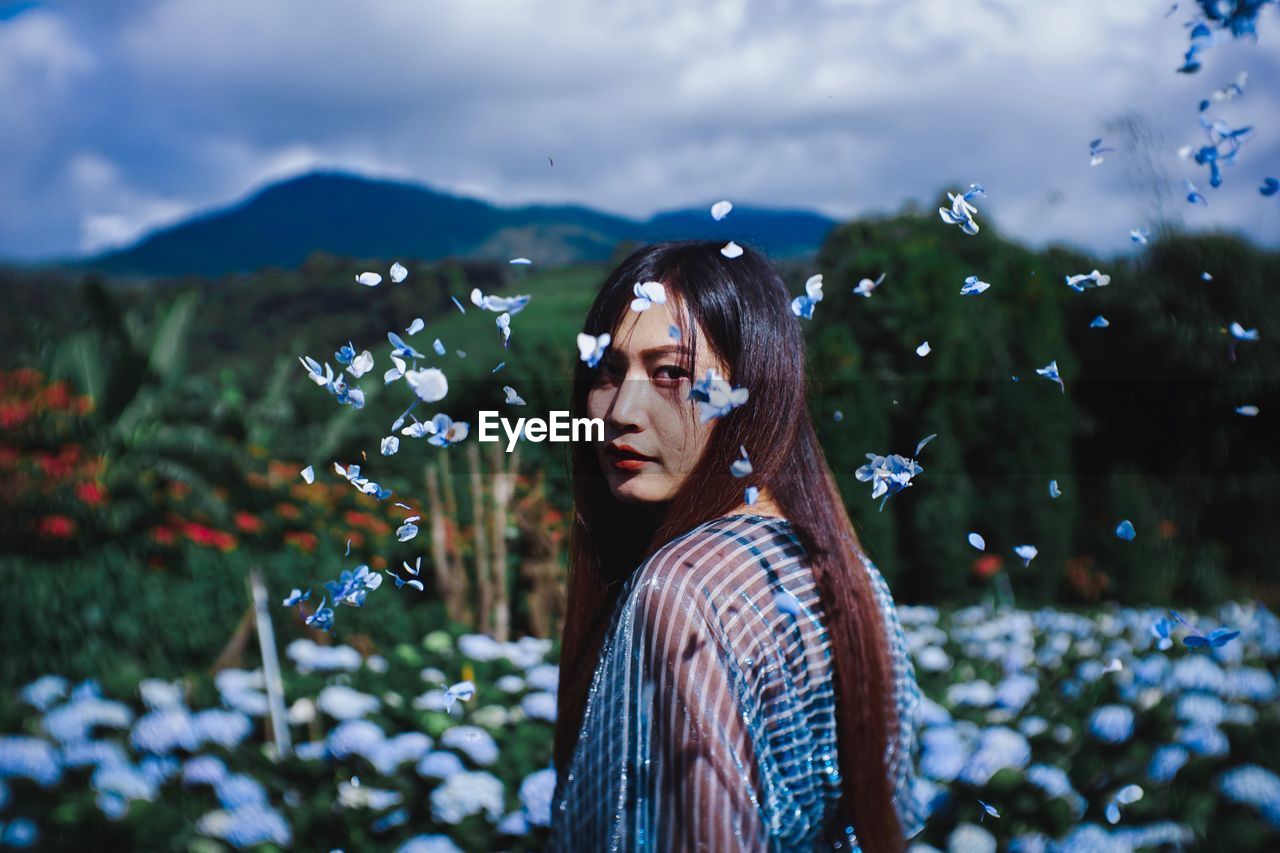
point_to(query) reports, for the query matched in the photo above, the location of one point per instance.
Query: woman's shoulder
(718, 560)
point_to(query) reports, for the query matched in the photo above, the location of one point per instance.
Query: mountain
(352, 216)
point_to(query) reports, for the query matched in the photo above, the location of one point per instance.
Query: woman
(733, 675)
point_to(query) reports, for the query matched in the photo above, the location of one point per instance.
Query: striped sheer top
(710, 720)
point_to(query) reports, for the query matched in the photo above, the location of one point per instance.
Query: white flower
(344, 703)
(467, 793)
(430, 384)
(361, 364)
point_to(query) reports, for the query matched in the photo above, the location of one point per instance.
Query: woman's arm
(704, 784)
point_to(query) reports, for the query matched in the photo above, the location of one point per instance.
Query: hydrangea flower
(1112, 724)
(400, 349)
(1096, 151)
(407, 530)
(715, 396)
(1050, 371)
(973, 286)
(511, 305)
(448, 432)
(1084, 281)
(430, 385)
(802, 306)
(891, 474)
(322, 618)
(351, 587)
(467, 793)
(503, 322)
(1127, 795)
(866, 286)
(648, 294)
(961, 212)
(461, 691)
(592, 347)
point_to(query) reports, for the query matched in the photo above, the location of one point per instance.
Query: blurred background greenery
(154, 430)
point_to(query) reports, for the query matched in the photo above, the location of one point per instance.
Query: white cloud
(847, 108)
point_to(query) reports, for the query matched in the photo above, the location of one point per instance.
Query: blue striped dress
(710, 721)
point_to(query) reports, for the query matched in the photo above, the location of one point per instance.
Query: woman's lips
(627, 458)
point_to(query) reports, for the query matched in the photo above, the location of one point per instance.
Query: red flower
(13, 413)
(163, 535)
(58, 396)
(248, 523)
(57, 527)
(90, 492)
(302, 538)
(987, 565)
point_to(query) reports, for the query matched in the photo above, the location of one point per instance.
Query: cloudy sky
(120, 117)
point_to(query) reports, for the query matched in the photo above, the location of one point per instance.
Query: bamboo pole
(479, 523)
(270, 665)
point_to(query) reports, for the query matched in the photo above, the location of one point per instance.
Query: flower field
(1041, 730)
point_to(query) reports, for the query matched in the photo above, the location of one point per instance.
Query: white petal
(398, 273)
(369, 279)
(720, 210)
(731, 250)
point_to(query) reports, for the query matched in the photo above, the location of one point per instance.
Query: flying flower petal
(398, 272)
(309, 474)
(591, 348)
(720, 210)
(866, 286)
(731, 250)
(976, 540)
(369, 279)
(430, 385)
(1125, 530)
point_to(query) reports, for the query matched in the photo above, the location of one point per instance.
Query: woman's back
(710, 722)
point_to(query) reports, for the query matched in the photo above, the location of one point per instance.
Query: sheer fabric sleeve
(702, 783)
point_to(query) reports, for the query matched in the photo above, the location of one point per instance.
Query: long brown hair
(743, 307)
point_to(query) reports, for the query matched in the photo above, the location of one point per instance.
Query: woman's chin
(632, 489)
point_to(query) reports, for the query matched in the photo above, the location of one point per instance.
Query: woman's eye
(670, 373)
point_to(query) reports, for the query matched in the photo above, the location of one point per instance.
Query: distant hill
(351, 216)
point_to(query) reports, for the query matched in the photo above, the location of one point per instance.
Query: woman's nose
(627, 411)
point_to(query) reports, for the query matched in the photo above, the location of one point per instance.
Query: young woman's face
(641, 392)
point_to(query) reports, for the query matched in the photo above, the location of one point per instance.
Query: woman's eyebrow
(663, 350)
